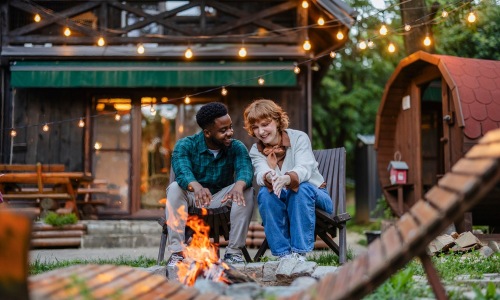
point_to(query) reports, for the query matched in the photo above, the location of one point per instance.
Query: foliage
(58, 220)
(490, 293)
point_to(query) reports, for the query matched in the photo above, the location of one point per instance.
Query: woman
(291, 185)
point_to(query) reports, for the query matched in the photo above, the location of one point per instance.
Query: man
(211, 169)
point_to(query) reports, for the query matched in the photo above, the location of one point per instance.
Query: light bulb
(427, 41)
(164, 99)
(242, 52)
(391, 48)
(471, 18)
(306, 45)
(152, 109)
(67, 31)
(333, 54)
(37, 18)
(140, 49)
(81, 123)
(13, 133)
(340, 35)
(189, 53)
(223, 91)
(187, 100)
(371, 44)
(407, 27)
(305, 4)
(261, 81)
(101, 42)
(444, 14)
(97, 146)
(321, 21)
(296, 70)
(45, 128)
(117, 117)
(383, 30)
(362, 45)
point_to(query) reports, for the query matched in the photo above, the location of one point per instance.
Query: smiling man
(211, 170)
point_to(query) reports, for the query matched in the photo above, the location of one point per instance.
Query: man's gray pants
(177, 198)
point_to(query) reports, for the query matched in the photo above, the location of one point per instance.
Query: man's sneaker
(233, 258)
(286, 256)
(301, 257)
(174, 259)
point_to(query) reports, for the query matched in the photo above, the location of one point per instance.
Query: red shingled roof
(477, 82)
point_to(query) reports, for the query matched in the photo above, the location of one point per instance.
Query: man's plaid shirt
(192, 161)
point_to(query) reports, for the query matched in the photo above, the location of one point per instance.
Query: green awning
(150, 74)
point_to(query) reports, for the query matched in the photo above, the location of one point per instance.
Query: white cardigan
(299, 159)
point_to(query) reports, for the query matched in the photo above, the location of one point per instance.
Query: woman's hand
(279, 182)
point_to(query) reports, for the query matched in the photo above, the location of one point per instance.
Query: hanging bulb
(306, 45)
(305, 4)
(164, 99)
(362, 45)
(101, 42)
(370, 44)
(13, 133)
(261, 81)
(97, 146)
(152, 109)
(117, 117)
(140, 49)
(383, 30)
(223, 91)
(242, 52)
(444, 14)
(81, 123)
(407, 27)
(340, 35)
(471, 18)
(391, 48)
(333, 54)
(187, 100)
(45, 127)
(67, 31)
(427, 40)
(37, 18)
(189, 53)
(296, 69)
(321, 21)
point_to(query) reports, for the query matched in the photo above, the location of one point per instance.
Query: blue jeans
(289, 221)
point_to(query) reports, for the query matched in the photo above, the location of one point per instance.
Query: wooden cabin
(434, 109)
(112, 82)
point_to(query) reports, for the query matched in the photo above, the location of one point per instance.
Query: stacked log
(47, 236)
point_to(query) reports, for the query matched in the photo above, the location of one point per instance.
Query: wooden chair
(332, 167)
(217, 218)
(15, 231)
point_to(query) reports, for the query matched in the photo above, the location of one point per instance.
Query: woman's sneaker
(286, 256)
(233, 258)
(301, 257)
(174, 259)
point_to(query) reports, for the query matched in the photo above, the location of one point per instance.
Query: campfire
(201, 258)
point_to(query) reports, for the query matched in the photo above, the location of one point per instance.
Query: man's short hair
(209, 112)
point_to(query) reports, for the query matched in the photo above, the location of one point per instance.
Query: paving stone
(321, 271)
(486, 251)
(494, 246)
(205, 286)
(255, 270)
(467, 239)
(246, 290)
(269, 271)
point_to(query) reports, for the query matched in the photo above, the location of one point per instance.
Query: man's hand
(236, 194)
(279, 182)
(202, 196)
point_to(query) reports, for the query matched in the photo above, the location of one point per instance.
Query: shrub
(58, 220)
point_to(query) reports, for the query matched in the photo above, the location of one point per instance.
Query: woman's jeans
(289, 221)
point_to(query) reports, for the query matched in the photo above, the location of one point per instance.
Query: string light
(407, 27)
(261, 81)
(67, 31)
(101, 42)
(371, 44)
(471, 18)
(242, 52)
(296, 69)
(97, 146)
(117, 117)
(13, 133)
(187, 100)
(383, 30)
(45, 127)
(321, 21)
(340, 35)
(81, 123)
(391, 48)
(140, 49)
(189, 53)
(37, 18)
(427, 41)
(362, 45)
(152, 109)
(305, 4)
(223, 91)
(333, 54)
(306, 45)
(444, 14)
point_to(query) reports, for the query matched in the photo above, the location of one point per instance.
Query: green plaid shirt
(192, 161)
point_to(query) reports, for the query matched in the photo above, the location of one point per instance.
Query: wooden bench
(95, 193)
(332, 167)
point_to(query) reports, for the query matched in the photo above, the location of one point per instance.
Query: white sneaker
(301, 257)
(287, 256)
